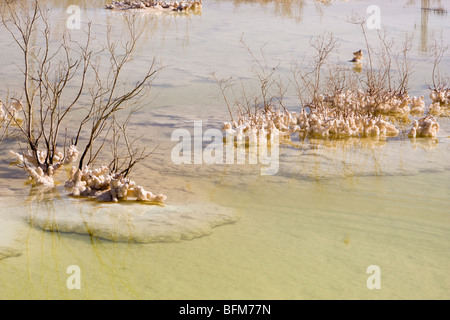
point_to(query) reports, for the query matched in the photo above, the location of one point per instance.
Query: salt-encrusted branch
(40, 172)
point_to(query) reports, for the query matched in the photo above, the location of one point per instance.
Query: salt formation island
(158, 6)
(133, 222)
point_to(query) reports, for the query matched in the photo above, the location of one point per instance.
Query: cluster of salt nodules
(389, 103)
(157, 5)
(280, 123)
(38, 168)
(11, 111)
(426, 127)
(417, 105)
(262, 125)
(394, 105)
(441, 96)
(106, 187)
(319, 125)
(361, 103)
(344, 115)
(440, 102)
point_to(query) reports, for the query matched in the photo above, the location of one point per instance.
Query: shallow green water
(308, 232)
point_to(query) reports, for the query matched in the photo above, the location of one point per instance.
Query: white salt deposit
(132, 222)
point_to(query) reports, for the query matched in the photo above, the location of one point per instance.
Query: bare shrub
(65, 80)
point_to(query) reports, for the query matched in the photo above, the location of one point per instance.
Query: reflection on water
(428, 7)
(289, 9)
(311, 231)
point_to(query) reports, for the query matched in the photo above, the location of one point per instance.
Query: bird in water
(357, 56)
